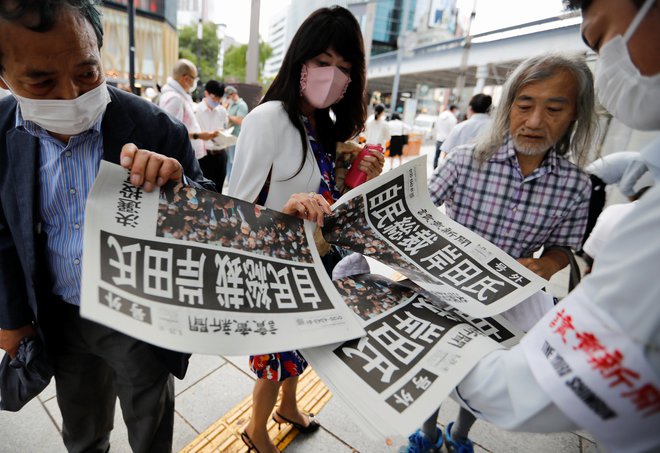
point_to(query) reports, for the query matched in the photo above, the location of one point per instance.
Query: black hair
(41, 15)
(452, 106)
(480, 103)
(325, 28)
(395, 116)
(215, 88)
(380, 108)
(585, 4)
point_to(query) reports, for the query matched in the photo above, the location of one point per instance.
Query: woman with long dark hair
(287, 146)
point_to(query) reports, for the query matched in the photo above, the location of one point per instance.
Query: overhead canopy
(490, 56)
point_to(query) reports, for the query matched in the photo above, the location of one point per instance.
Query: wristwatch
(195, 135)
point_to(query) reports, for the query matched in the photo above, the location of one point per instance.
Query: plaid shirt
(520, 215)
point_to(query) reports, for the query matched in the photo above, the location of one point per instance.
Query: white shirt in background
(398, 127)
(210, 119)
(444, 125)
(377, 131)
(466, 133)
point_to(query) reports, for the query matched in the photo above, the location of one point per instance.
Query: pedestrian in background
(212, 116)
(399, 132)
(376, 130)
(175, 99)
(443, 126)
(236, 110)
(467, 132)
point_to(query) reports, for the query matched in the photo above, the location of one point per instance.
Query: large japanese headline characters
(185, 267)
(393, 220)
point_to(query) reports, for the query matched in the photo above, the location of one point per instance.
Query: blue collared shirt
(66, 174)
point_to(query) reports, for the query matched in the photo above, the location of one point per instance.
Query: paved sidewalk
(216, 384)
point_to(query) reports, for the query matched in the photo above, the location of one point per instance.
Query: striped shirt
(519, 214)
(66, 174)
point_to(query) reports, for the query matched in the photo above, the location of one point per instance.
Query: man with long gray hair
(518, 189)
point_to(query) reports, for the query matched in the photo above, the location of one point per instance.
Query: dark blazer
(24, 283)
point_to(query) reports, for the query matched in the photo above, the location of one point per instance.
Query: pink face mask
(323, 86)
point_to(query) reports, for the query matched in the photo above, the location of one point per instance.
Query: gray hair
(578, 139)
(182, 68)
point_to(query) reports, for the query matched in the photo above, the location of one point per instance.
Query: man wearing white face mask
(594, 361)
(175, 99)
(57, 126)
(211, 115)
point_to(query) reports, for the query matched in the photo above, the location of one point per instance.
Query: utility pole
(220, 32)
(131, 45)
(460, 81)
(252, 69)
(401, 40)
(200, 35)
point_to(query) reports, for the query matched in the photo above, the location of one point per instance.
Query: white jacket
(624, 283)
(175, 101)
(268, 141)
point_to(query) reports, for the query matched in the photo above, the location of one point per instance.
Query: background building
(388, 24)
(276, 39)
(380, 20)
(190, 11)
(156, 41)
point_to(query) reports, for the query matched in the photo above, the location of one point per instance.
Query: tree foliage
(188, 45)
(235, 61)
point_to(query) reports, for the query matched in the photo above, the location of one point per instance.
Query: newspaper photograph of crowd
(197, 215)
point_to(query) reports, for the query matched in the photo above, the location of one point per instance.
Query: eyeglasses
(194, 79)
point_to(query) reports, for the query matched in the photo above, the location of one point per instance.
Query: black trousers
(93, 366)
(438, 144)
(214, 167)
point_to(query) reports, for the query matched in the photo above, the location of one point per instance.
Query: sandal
(248, 442)
(313, 425)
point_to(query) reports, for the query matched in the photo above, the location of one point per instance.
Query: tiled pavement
(215, 384)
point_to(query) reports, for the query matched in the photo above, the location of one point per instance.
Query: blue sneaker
(455, 446)
(419, 443)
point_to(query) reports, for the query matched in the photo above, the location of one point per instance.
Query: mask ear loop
(343, 91)
(11, 90)
(641, 14)
(303, 79)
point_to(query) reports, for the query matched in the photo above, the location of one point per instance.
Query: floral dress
(279, 366)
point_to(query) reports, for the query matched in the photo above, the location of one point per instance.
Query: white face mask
(632, 98)
(194, 85)
(66, 116)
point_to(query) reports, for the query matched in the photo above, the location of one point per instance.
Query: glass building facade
(388, 21)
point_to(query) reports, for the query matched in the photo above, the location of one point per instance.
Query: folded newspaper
(393, 220)
(425, 334)
(225, 139)
(195, 271)
(417, 349)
